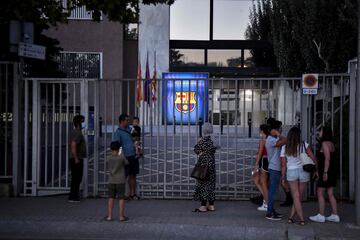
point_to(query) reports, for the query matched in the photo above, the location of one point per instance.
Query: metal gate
(8, 74)
(236, 108)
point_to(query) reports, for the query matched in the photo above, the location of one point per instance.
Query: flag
(138, 85)
(147, 82)
(154, 82)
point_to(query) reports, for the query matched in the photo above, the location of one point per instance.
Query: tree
(259, 29)
(310, 36)
(175, 58)
(46, 13)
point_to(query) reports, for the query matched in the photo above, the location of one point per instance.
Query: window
(248, 59)
(187, 57)
(79, 13)
(231, 19)
(80, 64)
(224, 58)
(190, 20)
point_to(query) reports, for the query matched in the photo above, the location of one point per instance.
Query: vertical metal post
(85, 112)
(357, 134)
(67, 119)
(96, 136)
(341, 133)
(352, 129)
(53, 136)
(60, 134)
(236, 133)
(16, 127)
(26, 134)
(35, 137)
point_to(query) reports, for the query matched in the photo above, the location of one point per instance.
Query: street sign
(31, 51)
(310, 83)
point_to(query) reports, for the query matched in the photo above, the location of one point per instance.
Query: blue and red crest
(185, 102)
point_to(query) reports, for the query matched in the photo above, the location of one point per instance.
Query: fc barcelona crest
(185, 102)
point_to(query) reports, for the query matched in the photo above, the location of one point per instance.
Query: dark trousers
(76, 177)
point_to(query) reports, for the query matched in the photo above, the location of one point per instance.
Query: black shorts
(331, 182)
(116, 190)
(264, 164)
(133, 167)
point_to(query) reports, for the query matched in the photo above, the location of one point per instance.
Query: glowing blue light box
(185, 97)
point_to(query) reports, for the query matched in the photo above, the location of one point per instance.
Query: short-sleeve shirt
(78, 138)
(294, 162)
(123, 136)
(273, 153)
(116, 168)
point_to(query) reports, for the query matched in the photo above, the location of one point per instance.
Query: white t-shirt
(293, 162)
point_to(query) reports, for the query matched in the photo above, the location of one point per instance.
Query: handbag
(199, 172)
(307, 163)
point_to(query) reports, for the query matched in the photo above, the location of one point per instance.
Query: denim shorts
(297, 174)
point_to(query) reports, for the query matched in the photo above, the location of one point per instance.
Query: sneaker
(333, 218)
(272, 217)
(278, 214)
(317, 218)
(263, 207)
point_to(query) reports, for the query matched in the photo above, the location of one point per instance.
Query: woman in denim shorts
(291, 167)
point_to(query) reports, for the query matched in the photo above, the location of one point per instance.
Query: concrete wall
(154, 35)
(90, 36)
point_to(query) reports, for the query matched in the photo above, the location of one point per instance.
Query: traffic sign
(310, 83)
(31, 51)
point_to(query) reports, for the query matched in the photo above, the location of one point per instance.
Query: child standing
(136, 134)
(116, 185)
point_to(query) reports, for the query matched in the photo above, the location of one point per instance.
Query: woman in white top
(291, 167)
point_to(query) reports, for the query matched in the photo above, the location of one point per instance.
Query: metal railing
(7, 75)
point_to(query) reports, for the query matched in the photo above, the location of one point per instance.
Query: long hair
(265, 129)
(293, 142)
(327, 134)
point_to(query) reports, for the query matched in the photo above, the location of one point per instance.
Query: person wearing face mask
(77, 154)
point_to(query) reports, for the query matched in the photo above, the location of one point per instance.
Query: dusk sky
(189, 19)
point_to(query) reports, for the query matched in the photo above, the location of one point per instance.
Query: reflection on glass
(186, 57)
(231, 19)
(248, 59)
(190, 20)
(224, 58)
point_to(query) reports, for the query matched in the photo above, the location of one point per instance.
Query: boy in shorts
(116, 185)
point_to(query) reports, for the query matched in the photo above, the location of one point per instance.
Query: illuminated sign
(185, 98)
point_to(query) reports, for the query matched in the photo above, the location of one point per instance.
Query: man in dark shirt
(77, 154)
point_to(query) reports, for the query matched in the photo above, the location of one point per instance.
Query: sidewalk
(54, 218)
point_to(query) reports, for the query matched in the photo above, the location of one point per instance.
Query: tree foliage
(259, 28)
(309, 36)
(46, 13)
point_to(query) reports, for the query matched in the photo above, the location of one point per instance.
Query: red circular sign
(310, 81)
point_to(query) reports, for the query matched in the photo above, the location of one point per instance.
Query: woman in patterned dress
(205, 189)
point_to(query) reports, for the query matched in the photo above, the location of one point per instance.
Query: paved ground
(54, 218)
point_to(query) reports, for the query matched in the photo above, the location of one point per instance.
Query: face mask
(83, 125)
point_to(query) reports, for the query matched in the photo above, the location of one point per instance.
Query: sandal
(302, 223)
(211, 209)
(197, 210)
(290, 220)
(106, 219)
(124, 219)
(135, 197)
